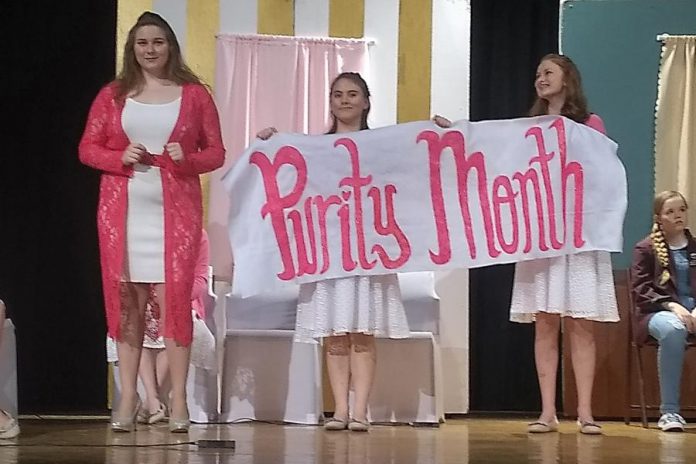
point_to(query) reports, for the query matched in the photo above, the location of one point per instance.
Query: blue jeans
(671, 334)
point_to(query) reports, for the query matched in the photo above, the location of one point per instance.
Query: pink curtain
(266, 81)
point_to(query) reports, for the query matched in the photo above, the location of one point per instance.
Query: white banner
(416, 197)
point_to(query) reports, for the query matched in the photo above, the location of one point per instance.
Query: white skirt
(362, 304)
(579, 286)
(145, 227)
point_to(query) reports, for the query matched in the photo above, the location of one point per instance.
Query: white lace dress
(362, 304)
(579, 286)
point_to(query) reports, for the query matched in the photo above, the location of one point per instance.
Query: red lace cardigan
(197, 129)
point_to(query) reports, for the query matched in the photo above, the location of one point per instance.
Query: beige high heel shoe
(179, 425)
(126, 424)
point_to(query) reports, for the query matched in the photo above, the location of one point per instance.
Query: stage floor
(457, 441)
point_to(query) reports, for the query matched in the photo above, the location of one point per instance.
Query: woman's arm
(647, 295)
(92, 149)
(212, 151)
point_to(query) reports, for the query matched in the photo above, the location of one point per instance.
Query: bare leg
(583, 354)
(178, 357)
(338, 367)
(148, 375)
(546, 331)
(363, 361)
(129, 347)
(162, 373)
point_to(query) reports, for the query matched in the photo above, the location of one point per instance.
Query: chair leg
(629, 381)
(641, 387)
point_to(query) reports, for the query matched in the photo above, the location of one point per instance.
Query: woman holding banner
(348, 313)
(578, 288)
(151, 133)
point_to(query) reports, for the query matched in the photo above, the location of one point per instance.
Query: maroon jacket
(648, 294)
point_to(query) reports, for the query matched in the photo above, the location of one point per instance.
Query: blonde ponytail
(661, 252)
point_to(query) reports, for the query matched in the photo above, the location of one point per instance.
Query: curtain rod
(662, 37)
(368, 41)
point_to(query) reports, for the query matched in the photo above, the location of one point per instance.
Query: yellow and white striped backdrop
(419, 65)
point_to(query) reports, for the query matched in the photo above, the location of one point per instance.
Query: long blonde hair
(657, 236)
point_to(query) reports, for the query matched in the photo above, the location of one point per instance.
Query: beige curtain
(675, 120)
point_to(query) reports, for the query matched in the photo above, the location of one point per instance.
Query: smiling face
(672, 216)
(348, 102)
(151, 49)
(549, 82)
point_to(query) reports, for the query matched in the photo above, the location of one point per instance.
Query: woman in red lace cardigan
(151, 133)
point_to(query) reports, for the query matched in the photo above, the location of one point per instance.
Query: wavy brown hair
(575, 105)
(657, 236)
(358, 80)
(131, 80)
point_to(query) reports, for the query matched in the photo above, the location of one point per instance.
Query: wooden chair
(635, 351)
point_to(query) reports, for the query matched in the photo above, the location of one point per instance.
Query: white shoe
(159, 415)
(10, 429)
(671, 422)
(543, 427)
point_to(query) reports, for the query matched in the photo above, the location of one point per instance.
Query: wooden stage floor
(463, 441)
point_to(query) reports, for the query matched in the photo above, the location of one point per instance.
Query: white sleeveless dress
(150, 125)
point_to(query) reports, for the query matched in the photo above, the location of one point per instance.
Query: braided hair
(661, 252)
(657, 236)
